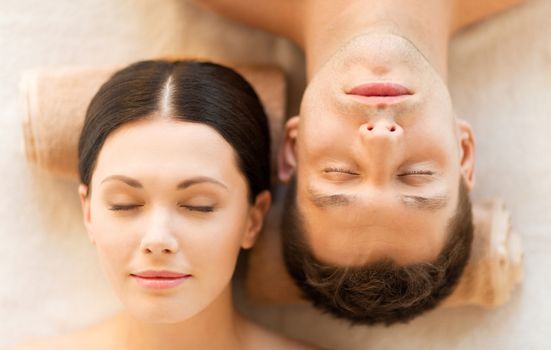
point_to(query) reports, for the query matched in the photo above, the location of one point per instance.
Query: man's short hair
(381, 292)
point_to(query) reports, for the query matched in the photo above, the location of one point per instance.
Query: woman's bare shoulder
(60, 343)
(262, 338)
(86, 339)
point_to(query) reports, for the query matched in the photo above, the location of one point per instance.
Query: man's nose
(380, 144)
(382, 131)
(158, 237)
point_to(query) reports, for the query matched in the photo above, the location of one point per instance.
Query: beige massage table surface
(500, 80)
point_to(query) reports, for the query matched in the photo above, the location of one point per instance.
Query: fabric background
(500, 79)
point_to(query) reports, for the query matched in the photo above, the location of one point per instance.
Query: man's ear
(85, 204)
(256, 218)
(467, 152)
(286, 157)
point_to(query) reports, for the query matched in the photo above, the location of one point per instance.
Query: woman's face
(168, 212)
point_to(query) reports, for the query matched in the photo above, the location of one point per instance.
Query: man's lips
(379, 92)
(160, 279)
(381, 89)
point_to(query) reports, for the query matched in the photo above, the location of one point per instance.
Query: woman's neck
(330, 24)
(216, 327)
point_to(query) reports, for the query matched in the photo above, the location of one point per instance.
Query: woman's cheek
(217, 245)
(115, 242)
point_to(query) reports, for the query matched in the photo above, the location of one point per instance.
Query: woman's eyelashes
(199, 208)
(124, 207)
(192, 208)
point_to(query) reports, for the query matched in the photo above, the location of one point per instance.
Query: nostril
(370, 128)
(393, 129)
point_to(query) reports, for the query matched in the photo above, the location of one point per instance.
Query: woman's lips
(159, 279)
(379, 92)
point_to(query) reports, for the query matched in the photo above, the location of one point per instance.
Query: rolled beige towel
(495, 266)
(55, 102)
(491, 275)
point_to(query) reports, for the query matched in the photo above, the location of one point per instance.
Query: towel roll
(495, 266)
(55, 101)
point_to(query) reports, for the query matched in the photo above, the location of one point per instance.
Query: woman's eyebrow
(182, 185)
(197, 180)
(127, 180)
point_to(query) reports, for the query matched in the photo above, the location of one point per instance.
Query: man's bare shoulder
(281, 17)
(258, 337)
(468, 12)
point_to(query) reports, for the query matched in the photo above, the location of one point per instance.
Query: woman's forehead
(166, 146)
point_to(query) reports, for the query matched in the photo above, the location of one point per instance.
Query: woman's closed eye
(195, 208)
(124, 207)
(198, 208)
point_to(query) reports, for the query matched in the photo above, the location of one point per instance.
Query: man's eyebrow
(182, 185)
(426, 203)
(329, 200)
(321, 200)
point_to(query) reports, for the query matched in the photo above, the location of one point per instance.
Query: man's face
(378, 154)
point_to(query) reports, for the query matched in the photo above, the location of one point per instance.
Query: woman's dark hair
(190, 91)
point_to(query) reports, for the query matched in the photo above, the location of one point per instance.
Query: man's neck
(330, 24)
(216, 327)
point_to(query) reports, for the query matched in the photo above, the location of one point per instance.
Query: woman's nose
(158, 237)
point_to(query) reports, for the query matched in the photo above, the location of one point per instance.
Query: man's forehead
(349, 229)
(360, 240)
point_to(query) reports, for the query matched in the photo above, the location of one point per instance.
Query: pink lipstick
(379, 92)
(160, 279)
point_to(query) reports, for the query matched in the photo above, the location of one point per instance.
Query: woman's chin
(156, 314)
